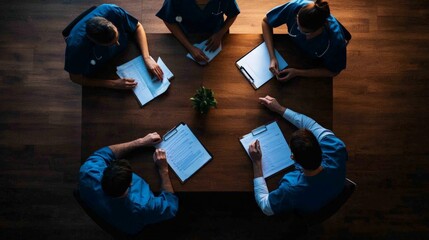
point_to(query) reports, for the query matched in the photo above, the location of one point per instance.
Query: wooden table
(114, 116)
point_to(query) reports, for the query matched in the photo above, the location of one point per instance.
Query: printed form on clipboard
(255, 65)
(275, 150)
(148, 87)
(185, 153)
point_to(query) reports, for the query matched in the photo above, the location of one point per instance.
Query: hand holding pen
(256, 156)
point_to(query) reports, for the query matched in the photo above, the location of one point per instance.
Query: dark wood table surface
(114, 116)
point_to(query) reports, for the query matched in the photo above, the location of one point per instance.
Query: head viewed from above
(117, 178)
(102, 31)
(306, 149)
(313, 16)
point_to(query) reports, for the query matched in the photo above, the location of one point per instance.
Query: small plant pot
(203, 100)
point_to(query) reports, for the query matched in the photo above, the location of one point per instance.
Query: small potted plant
(203, 100)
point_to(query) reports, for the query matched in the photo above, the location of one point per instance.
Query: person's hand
(255, 152)
(151, 139)
(287, 74)
(154, 68)
(214, 42)
(272, 104)
(160, 160)
(124, 83)
(199, 55)
(274, 66)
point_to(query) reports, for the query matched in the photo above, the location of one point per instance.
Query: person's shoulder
(299, 3)
(108, 10)
(291, 179)
(109, 7)
(336, 33)
(330, 140)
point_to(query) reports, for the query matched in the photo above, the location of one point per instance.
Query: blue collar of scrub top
(317, 54)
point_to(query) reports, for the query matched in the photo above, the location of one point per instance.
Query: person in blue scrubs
(312, 27)
(183, 17)
(320, 167)
(97, 38)
(109, 187)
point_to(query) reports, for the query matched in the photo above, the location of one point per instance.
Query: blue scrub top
(84, 56)
(304, 194)
(329, 47)
(192, 19)
(131, 213)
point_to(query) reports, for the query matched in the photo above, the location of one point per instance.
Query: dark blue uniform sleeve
(92, 170)
(281, 14)
(71, 64)
(232, 9)
(334, 152)
(168, 11)
(120, 16)
(336, 57)
(162, 207)
(103, 155)
(280, 199)
(336, 60)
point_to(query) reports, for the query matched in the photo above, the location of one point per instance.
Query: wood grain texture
(109, 115)
(379, 111)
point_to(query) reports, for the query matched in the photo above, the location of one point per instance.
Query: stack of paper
(148, 87)
(210, 55)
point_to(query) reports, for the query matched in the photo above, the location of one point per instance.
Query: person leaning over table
(97, 38)
(183, 17)
(109, 187)
(312, 27)
(320, 167)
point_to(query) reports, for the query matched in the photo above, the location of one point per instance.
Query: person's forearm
(142, 41)
(178, 33)
(92, 82)
(228, 23)
(262, 195)
(165, 181)
(257, 170)
(315, 72)
(121, 149)
(267, 33)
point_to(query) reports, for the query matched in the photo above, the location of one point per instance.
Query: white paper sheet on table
(210, 55)
(148, 87)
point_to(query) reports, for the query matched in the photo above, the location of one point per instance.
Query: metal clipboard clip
(169, 134)
(259, 130)
(245, 73)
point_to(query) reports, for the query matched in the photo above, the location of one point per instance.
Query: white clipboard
(275, 150)
(255, 65)
(185, 153)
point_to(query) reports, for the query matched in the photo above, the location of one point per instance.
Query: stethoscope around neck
(296, 35)
(219, 12)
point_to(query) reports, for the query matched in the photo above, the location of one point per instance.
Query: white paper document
(185, 153)
(210, 55)
(148, 87)
(255, 65)
(275, 150)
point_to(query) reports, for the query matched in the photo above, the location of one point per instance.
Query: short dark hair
(101, 30)
(116, 178)
(306, 149)
(313, 16)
